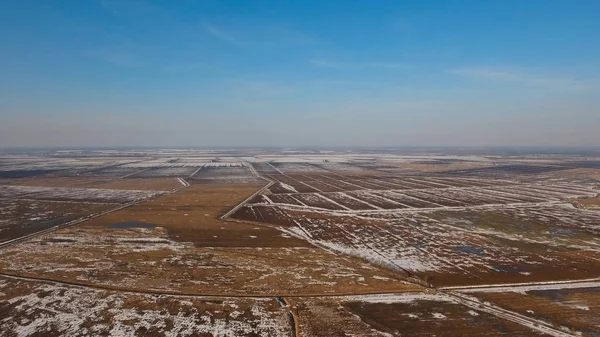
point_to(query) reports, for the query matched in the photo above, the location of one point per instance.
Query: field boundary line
(238, 206)
(136, 172)
(183, 182)
(532, 323)
(193, 174)
(520, 285)
(83, 219)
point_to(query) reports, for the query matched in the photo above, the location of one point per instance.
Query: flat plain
(303, 243)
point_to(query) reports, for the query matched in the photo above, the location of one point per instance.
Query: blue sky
(282, 73)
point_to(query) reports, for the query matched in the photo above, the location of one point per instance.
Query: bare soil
(578, 309)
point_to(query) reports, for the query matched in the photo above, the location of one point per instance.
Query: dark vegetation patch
(419, 318)
(24, 173)
(133, 225)
(510, 169)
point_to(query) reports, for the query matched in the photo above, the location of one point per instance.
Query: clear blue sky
(226, 73)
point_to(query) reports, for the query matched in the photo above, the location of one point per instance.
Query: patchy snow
(397, 298)
(524, 288)
(580, 307)
(75, 194)
(73, 311)
(288, 187)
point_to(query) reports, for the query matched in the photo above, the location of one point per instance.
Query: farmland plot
(22, 217)
(570, 229)
(148, 259)
(74, 194)
(226, 173)
(317, 200)
(288, 184)
(404, 199)
(159, 184)
(186, 249)
(349, 202)
(574, 309)
(322, 186)
(264, 168)
(427, 196)
(561, 216)
(338, 166)
(11, 174)
(113, 171)
(284, 199)
(366, 184)
(420, 245)
(297, 168)
(342, 185)
(377, 200)
(471, 196)
(410, 314)
(166, 172)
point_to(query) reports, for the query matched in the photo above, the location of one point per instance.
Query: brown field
(191, 215)
(587, 202)
(328, 318)
(418, 317)
(23, 217)
(431, 318)
(576, 309)
(454, 247)
(578, 173)
(190, 251)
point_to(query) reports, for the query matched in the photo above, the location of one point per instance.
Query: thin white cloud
(221, 34)
(522, 77)
(387, 65)
(324, 63)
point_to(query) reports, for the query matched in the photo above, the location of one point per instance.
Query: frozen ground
(372, 234)
(31, 308)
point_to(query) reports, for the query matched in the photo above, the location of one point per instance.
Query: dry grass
(415, 318)
(577, 309)
(115, 262)
(587, 202)
(191, 251)
(577, 173)
(191, 215)
(434, 318)
(22, 217)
